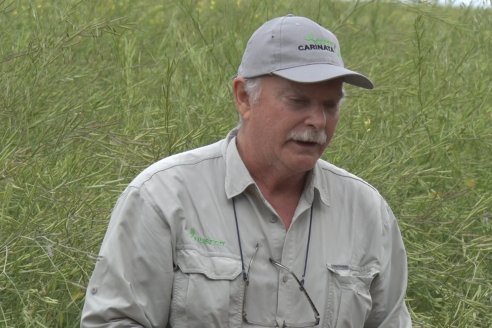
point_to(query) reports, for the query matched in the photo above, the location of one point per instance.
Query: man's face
(291, 124)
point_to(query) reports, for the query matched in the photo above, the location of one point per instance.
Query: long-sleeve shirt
(171, 254)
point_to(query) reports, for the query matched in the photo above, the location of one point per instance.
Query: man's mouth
(306, 143)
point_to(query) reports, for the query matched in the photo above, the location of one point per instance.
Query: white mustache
(316, 136)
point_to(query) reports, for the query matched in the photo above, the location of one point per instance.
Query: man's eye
(298, 101)
(331, 107)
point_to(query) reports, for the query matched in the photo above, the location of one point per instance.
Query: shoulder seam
(351, 177)
(173, 166)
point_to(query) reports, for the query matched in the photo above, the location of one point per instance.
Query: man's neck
(273, 184)
(280, 187)
(283, 195)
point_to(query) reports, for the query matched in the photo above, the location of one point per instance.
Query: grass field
(94, 91)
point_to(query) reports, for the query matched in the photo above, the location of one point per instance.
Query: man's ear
(241, 97)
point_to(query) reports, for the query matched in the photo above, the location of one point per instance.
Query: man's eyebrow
(290, 88)
(296, 89)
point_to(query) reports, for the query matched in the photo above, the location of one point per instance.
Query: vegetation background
(94, 91)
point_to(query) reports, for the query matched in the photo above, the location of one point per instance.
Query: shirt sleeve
(389, 287)
(131, 283)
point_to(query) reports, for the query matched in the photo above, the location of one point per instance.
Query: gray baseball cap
(297, 49)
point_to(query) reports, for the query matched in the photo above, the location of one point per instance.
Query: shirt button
(273, 219)
(285, 278)
(93, 290)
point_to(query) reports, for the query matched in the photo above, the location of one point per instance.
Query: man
(256, 230)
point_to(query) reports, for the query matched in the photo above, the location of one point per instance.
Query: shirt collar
(237, 177)
(320, 183)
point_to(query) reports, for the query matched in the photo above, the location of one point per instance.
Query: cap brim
(322, 72)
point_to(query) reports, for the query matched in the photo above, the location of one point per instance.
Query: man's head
(288, 93)
(286, 125)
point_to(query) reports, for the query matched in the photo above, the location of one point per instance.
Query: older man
(256, 230)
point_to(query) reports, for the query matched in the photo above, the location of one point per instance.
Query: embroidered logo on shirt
(205, 240)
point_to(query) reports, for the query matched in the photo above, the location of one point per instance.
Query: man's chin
(304, 163)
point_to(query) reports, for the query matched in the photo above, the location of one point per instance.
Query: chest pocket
(351, 300)
(207, 291)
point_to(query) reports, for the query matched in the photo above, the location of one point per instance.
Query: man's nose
(317, 117)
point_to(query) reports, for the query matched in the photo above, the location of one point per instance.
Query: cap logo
(318, 44)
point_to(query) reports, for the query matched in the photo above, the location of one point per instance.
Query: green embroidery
(310, 37)
(205, 240)
(320, 44)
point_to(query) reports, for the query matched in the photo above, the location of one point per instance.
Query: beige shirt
(171, 257)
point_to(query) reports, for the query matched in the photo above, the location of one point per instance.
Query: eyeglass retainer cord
(245, 275)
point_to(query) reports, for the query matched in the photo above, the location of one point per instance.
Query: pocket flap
(347, 274)
(213, 267)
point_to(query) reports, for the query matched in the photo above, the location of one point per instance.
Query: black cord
(239, 240)
(241, 248)
(308, 242)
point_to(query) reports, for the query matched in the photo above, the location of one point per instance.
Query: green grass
(94, 91)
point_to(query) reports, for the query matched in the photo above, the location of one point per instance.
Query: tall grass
(94, 91)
